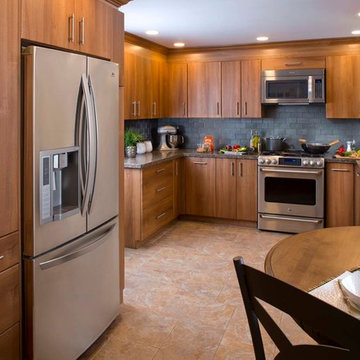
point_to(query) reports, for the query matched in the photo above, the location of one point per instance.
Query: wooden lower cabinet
(9, 343)
(236, 189)
(179, 194)
(339, 194)
(200, 186)
(149, 201)
(356, 195)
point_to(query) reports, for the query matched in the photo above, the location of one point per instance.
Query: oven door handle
(273, 217)
(291, 171)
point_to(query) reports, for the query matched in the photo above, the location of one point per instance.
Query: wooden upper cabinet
(83, 25)
(343, 86)
(230, 89)
(177, 90)
(118, 43)
(204, 89)
(94, 22)
(49, 22)
(143, 79)
(129, 85)
(251, 89)
(200, 186)
(288, 63)
(339, 194)
(9, 118)
(155, 73)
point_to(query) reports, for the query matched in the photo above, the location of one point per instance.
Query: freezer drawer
(75, 294)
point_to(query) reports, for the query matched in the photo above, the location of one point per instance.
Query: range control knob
(273, 161)
(318, 163)
(261, 161)
(305, 162)
(311, 163)
(267, 161)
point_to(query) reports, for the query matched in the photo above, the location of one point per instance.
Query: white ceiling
(234, 22)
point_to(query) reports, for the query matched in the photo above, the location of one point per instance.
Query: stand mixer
(169, 139)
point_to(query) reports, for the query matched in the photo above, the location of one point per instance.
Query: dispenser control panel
(45, 189)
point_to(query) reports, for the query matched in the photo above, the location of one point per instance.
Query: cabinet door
(179, 201)
(200, 186)
(130, 103)
(10, 344)
(94, 22)
(9, 117)
(118, 43)
(357, 195)
(154, 100)
(286, 63)
(250, 88)
(339, 195)
(204, 89)
(225, 188)
(177, 90)
(143, 85)
(343, 86)
(230, 89)
(49, 22)
(246, 190)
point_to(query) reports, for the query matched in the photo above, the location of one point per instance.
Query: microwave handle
(311, 89)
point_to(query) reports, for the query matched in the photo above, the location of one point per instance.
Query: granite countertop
(157, 157)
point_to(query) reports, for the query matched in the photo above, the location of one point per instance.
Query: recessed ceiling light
(358, 13)
(262, 38)
(151, 32)
(356, 32)
(179, 44)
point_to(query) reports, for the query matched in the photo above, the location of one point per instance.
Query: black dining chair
(326, 321)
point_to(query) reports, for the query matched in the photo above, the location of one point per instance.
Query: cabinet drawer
(10, 343)
(293, 63)
(157, 216)
(9, 251)
(156, 191)
(9, 297)
(156, 174)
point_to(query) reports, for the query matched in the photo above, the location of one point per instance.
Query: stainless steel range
(290, 192)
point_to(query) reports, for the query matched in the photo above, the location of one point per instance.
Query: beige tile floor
(182, 300)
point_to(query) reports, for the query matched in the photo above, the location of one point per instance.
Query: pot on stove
(274, 143)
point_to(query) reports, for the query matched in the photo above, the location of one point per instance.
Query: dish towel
(331, 293)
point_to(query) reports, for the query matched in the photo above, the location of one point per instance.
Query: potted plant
(131, 138)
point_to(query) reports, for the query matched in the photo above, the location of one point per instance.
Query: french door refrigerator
(70, 201)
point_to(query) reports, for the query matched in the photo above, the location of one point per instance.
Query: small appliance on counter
(169, 139)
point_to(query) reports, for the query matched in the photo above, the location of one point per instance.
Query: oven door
(291, 191)
(282, 90)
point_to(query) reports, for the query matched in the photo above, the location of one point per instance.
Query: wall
(291, 122)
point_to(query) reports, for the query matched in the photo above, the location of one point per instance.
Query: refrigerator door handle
(96, 143)
(98, 238)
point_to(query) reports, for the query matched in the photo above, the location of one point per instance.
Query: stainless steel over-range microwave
(293, 87)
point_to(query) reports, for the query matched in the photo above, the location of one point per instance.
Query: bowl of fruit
(234, 150)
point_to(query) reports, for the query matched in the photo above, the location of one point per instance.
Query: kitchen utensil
(274, 143)
(175, 140)
(351, 287)
(316, 148)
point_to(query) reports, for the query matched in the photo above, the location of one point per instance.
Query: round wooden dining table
(310, 259)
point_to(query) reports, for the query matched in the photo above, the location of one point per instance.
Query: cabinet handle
(158, 171)
(237, 108)
(1, 257)
(184, 109)
(200, 163)
(294, 63)
(138, 105)
(154, 108)
(72, 28)
(240, 169)
(340, 170)
(82, 31)
(232, 169)
(134, 108)
(161, 189)
(161, 215)
(245, 108)
(217, 108)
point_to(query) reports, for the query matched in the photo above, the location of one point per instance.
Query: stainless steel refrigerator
(70, 201)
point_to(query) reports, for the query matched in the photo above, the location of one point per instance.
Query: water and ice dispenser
(59, 184)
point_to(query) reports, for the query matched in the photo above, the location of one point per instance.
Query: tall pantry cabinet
(9, 181)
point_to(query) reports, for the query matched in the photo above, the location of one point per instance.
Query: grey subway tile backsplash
(291, 122)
